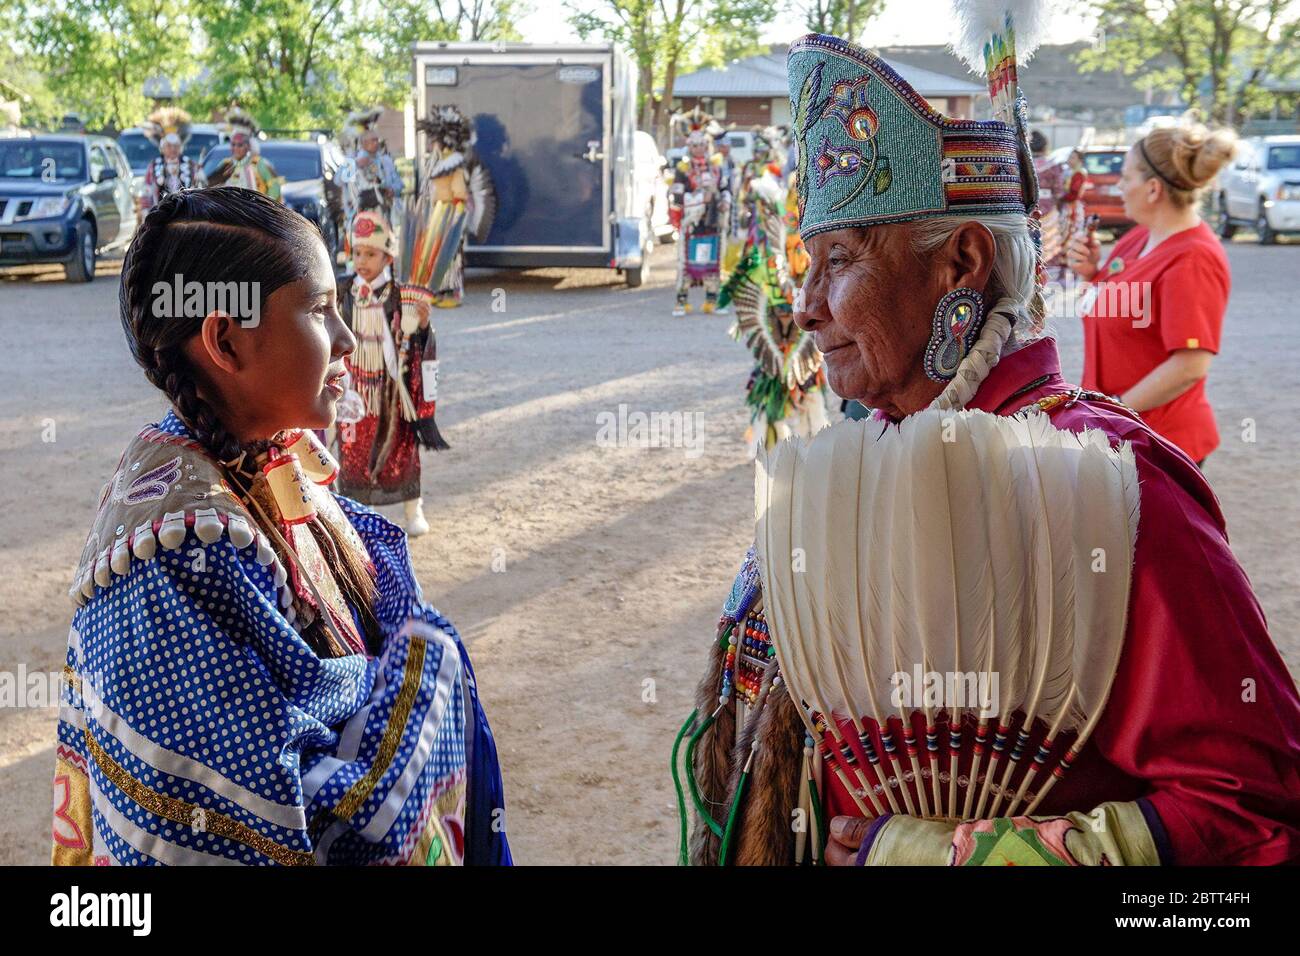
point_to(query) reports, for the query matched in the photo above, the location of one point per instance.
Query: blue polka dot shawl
(198, 727)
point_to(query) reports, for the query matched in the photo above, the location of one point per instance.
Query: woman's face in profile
(284, 370)
(1136, 189)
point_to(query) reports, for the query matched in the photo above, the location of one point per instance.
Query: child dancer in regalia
(387, 415)
(253, 675)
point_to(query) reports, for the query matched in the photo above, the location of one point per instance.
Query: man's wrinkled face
(868, 303)
(239, 148)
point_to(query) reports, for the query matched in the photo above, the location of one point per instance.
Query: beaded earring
(957, 321)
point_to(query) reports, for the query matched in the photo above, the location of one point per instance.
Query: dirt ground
(585, 579)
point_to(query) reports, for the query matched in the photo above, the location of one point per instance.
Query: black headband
(1142, 146)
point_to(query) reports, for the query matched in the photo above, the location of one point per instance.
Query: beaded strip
(361, 790)
(756, 651)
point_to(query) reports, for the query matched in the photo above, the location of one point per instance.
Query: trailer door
(541, 129)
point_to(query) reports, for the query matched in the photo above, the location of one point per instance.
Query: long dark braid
(226, 235)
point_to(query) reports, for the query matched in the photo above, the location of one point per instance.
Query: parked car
(309, 170)
(140, 151)
(650, 167)
(63, 198)
(1261, 189)
(1102, 197)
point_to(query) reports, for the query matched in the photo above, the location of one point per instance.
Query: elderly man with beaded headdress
(999, 622)
(700, 208)
(171, 171)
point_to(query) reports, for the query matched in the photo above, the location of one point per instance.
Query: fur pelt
(766, 833)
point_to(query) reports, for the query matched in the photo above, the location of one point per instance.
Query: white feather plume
(979, 20)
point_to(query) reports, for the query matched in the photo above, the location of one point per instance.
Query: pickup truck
(1261, 189)
(63, 198)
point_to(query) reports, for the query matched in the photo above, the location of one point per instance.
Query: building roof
(1052, 81)
(764, 75)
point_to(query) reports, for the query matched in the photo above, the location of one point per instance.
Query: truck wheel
(1226, 229)
(80, 266)
(1266, 234)
(633, 277)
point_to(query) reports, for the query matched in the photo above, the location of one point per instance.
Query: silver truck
(1261, 188)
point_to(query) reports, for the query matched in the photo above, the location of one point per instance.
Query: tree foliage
(667, 38)
(95, 55)
(841, 18)
(294, 64)
(1217, 53)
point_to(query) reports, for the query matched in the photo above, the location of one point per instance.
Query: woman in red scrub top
(1154, 326)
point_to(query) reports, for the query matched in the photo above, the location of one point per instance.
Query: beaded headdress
(872, 150)
(358, 124)
(696, 127)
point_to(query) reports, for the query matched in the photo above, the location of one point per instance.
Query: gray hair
(1016, 309)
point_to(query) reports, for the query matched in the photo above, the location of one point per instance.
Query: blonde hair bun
(1188, 155)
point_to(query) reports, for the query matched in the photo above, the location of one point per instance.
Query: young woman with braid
(253, 675)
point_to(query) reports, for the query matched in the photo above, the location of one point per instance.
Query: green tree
(95, 55)
(22, 82)
(841, 18)
(278, 58)
(668, 37)
(1218, 53)
(304, 63)
(404, 22)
